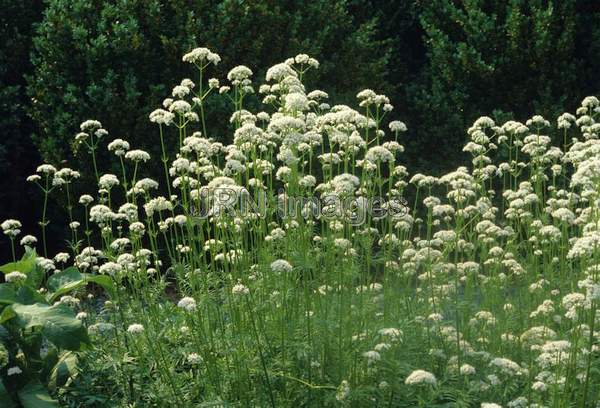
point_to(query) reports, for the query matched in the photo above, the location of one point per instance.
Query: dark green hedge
(117, 60)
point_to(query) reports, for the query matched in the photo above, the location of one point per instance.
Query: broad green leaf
(7, 294)
(27, 266)
(6, 400)
(34, 395)
(26, 295)
(63, 278)
(7, 314)
(104, 281)
(65, 369)
(58, 323)
(69, 287)
(70, 279)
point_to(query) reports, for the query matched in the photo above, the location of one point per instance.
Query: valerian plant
(244, 279)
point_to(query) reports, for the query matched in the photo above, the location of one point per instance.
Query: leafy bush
(511, 58)
(433, 57)
(116, 60)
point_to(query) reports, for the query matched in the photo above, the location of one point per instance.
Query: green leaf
(6, 400)
(7, 294)
(26, 295)
(65, 369)
(34, 395)
(58, 323)
(27, 266)
(64, 282)
(63, 278)
(104, 281)
(70, 279)
(7, 314)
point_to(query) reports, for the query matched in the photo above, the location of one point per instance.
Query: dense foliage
(332, 289)
(512, 58)
(444, 62)
(39, 336)
(115, 60)
(138, 289)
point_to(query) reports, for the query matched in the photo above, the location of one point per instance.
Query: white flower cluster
(421, 377)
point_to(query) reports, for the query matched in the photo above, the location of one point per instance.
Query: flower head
(15, 276)
(187, 303)
(135, 328)
(202, 56)
(28, 240)
(240, 289)
(420, 377)
(281, 265)
(11, 227)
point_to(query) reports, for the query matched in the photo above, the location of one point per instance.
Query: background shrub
(116, 61)
(514, 58)
(18, 156)
(443, 63)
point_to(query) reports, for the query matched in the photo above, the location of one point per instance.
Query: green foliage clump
(39, 332)
(512, 58)
(116, 60)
